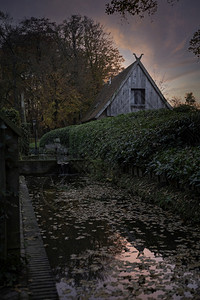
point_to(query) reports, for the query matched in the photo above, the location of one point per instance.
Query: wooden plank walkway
(41, 283)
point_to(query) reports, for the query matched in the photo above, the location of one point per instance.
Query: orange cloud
(179, 47)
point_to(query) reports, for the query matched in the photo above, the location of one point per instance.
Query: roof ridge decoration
(138, 58)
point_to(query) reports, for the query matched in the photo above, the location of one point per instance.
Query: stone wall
(37, 167)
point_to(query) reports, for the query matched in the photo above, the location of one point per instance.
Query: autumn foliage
(56, 70)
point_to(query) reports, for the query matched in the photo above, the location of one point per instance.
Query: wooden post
(13, 221)
(9, 189)
(3, 235)
(23, 113)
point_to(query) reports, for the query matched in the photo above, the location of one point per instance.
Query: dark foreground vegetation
(163, 143)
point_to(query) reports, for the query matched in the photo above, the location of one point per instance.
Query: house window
(138, 98)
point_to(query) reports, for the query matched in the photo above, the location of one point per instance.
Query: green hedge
(137, 139)
(49, 137)
(178, 164)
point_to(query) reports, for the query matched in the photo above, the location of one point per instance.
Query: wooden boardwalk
(40, 282)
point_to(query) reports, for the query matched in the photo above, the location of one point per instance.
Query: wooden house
(131, 90)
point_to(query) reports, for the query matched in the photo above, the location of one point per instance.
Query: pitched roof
(106, 94)
(109, 91)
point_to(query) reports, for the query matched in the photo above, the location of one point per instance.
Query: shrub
(139, 139)
(12, 115)
(180, 164)
(49, 137)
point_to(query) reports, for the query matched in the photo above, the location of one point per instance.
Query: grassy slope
(164, 142)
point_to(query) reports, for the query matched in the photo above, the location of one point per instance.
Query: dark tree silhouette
(134, 7)
(195, 43)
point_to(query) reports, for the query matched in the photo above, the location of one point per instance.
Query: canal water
(103, 243)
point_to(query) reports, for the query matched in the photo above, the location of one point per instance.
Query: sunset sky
(163, 38)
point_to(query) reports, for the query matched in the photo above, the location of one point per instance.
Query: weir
(48, 166)
(53, 159)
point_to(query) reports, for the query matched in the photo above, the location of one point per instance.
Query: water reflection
(102, 245)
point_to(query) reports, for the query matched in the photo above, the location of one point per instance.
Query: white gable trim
(155, 86)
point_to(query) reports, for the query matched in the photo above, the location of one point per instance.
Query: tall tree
(103, 58)
(94, 56)
(58, 69)
(32, 46)
(39, 48)
(8, 61)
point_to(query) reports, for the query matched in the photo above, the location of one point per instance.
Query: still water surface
(103, 243)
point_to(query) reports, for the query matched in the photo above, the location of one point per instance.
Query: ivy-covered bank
(162, 142)
(14, 117)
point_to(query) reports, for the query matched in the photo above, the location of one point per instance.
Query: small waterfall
(63, 168)
(62, 158)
